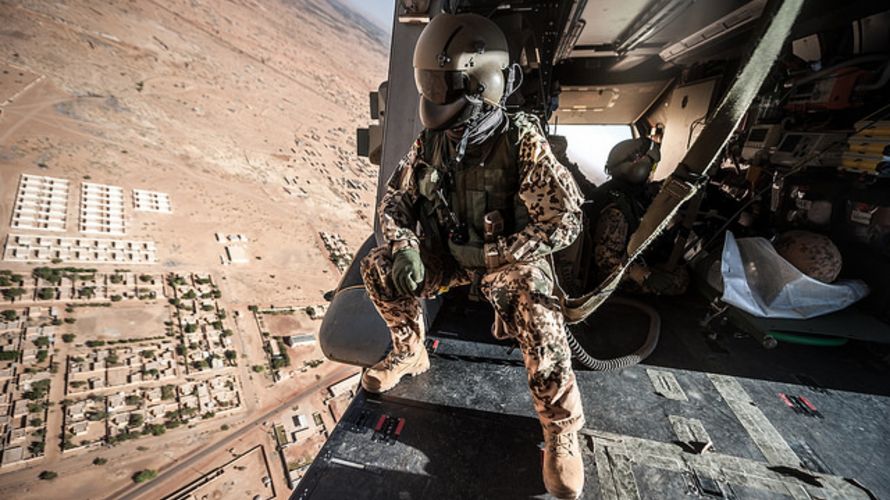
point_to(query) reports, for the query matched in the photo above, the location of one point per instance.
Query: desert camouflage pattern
(547, 190)
(813, 254)
(610, 252)
(521, 290)
(527, 310)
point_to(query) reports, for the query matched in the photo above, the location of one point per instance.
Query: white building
(41, 203)
(102, 209)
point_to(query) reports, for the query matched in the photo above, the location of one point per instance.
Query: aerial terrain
(178, 189)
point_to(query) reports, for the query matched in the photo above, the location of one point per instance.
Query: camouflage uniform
(520, 289)
(610, 238)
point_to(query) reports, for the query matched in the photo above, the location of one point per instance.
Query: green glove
(469, 256)
(407, 271)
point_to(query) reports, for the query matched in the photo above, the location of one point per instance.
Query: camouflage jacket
(610, 238)
(546, 188)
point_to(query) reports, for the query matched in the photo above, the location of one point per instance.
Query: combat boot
(388, 372)
(563, 468)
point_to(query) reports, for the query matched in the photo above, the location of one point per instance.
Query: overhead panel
(606, 20)
(608, 104)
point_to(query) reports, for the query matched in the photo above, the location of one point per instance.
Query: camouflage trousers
(525, 309)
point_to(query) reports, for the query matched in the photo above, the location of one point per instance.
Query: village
(98, 349)
(60, 347)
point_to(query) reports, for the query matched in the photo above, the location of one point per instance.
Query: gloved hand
(660, 281)
(407, 271)
(469, 256)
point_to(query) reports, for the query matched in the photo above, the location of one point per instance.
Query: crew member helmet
(459, 64)
(632, 160)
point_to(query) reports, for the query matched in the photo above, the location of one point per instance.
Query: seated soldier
(618, 205)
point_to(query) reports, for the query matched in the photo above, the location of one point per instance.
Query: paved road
(133, 492)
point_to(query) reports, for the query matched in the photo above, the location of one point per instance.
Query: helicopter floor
(709, 413)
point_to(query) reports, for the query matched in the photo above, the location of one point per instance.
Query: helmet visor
(440, 87)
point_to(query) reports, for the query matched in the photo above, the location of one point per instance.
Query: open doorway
(589, 146)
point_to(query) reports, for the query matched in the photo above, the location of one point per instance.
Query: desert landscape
(178, 189)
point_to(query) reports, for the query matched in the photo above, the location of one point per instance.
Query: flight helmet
(632, 160)
(459, 64)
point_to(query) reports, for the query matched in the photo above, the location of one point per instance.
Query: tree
(70, 320)
(144, 475)
(35, 422)
(133, 400)
(116, 278)
(116, 298)
(36, 407)
(9, 355)
(167, 392)
(190, 328)
(46, 293)
(38, 390)
(48, 274)
(136, 420)
(13, 293)
(145, 278)
(95, 416)
(36, 448)
(41, 341)
(42, 354)
(68, 337)
(231, 355)
(259, 368)
(9, 315)
(48, 475)
(100, 461)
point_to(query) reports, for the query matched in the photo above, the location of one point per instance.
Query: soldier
(477, 172)
(618, 205)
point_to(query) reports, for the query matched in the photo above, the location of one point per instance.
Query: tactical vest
(613, 194)
(487, 179)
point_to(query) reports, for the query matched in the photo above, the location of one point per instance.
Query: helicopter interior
(808, 155)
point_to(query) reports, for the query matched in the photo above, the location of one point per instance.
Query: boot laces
(395, 358)
(562, 445)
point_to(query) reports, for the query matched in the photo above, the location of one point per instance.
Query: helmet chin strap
(481, 125)
(512, 86)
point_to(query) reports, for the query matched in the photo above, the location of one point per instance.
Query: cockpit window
(589, 146)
